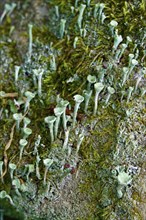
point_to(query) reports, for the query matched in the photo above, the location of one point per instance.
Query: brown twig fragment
(6, 148)
(10, 95)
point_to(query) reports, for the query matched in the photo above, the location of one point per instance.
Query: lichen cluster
(72, 111)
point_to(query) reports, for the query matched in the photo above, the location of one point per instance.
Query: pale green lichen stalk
(80, 16)
(78, 100)
(98, 88)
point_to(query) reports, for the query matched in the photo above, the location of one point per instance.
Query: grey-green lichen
(80, 183)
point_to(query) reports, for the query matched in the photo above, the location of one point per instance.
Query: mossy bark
(113, 138)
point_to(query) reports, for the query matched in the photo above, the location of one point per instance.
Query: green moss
(94, 189)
